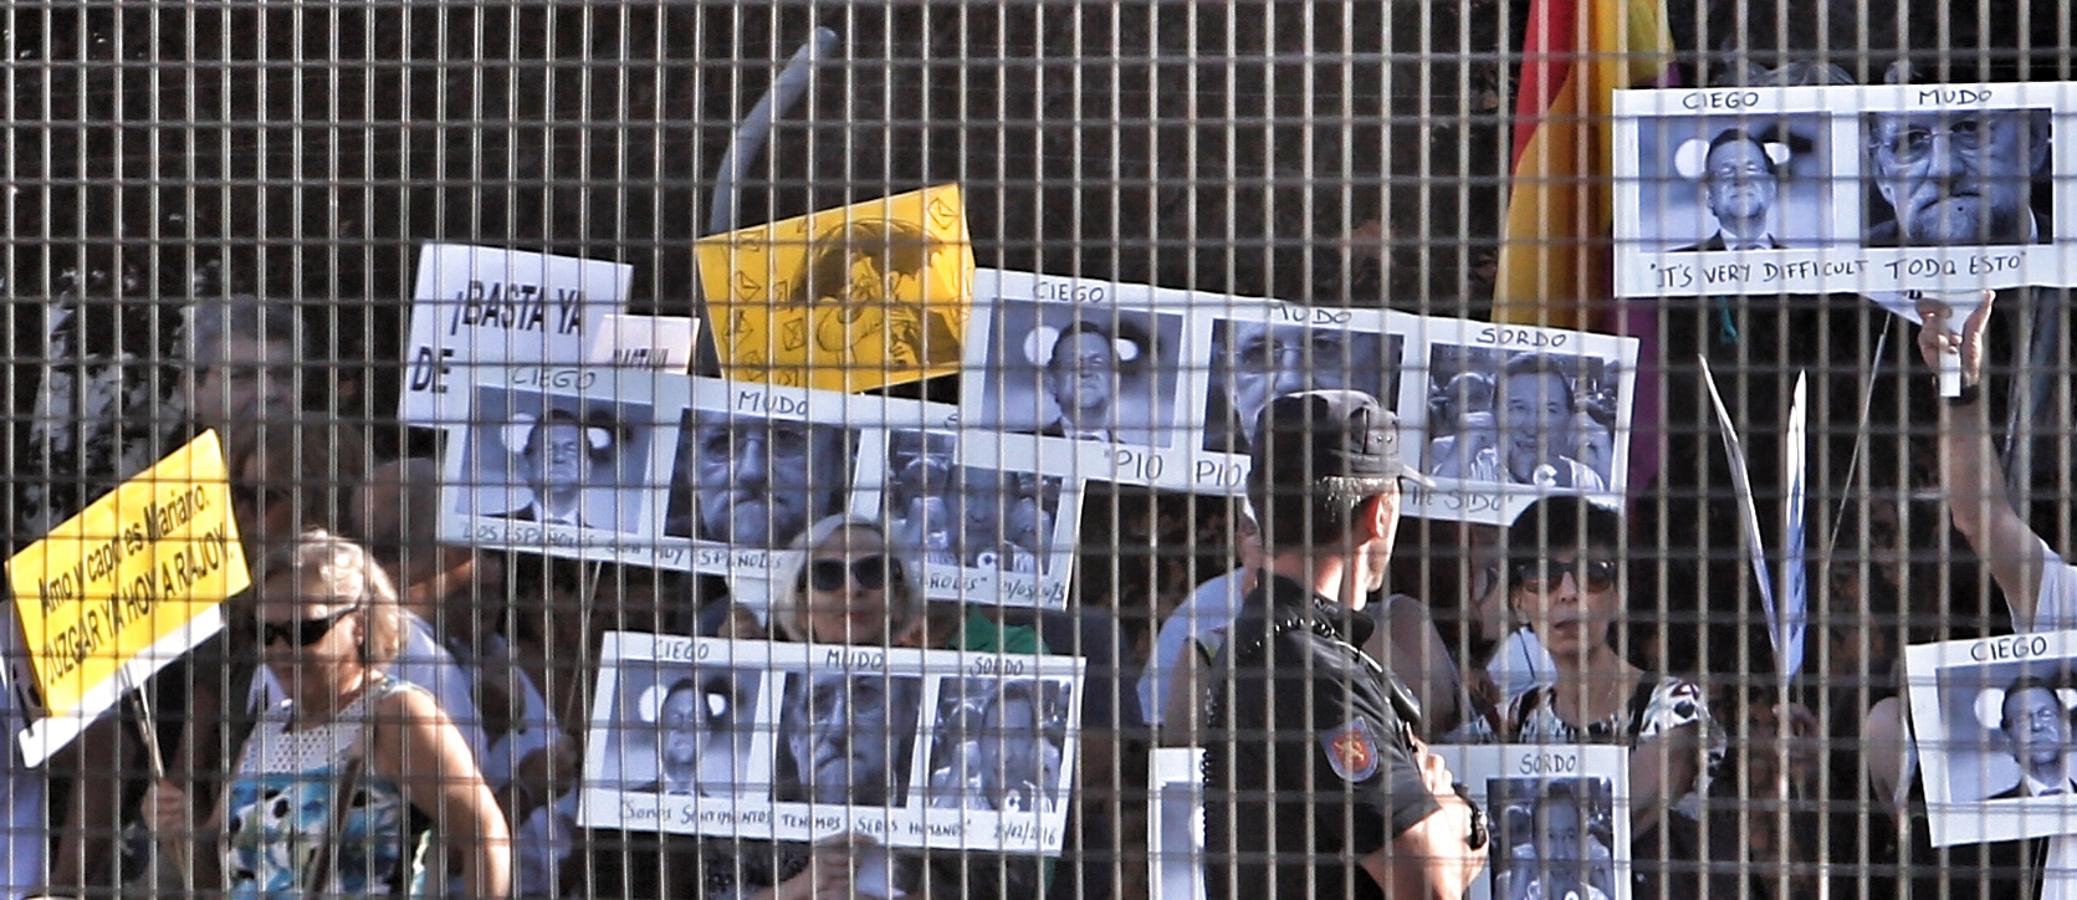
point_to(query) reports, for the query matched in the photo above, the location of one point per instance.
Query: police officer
(1315, 785)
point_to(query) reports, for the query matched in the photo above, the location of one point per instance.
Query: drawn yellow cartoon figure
(847, 299)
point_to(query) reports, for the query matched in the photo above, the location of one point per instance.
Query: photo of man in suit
(558, 456)
(697, 727)
(1082, 374)
(2036, 729)
(1741, 181)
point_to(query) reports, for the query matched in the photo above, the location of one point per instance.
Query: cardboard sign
(1175, 824)
(558, 460)
(658, 343)
(1826, 189)
(1982, 710)
(116, 592)
(796, 742)
(481, 306)
(846, 299)
(1559, 816)
(1513, 413)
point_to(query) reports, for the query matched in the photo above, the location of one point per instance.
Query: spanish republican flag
(1554, 259)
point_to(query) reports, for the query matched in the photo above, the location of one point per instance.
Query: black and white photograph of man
(1741, 181)
(1062, 370)
(1759, 182)
(2000, 731)
(703, 721)
(1529, 418)
(2033, 718)
(959, 516)
(1254, 361)
(999, 744)
(1553, 838)
(753, 482)
(1958, 177)
(567, 461)
(847, 739)
(559, 454)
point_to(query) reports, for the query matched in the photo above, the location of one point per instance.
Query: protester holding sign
(1566, 579)
(338, 788)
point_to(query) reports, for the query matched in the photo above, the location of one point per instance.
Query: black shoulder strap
(1640, 701)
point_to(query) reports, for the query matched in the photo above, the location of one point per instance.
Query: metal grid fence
(1326, 154)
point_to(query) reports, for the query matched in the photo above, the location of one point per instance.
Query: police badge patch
(1352, 750)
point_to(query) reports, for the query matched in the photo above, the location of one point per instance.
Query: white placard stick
(1961, 303)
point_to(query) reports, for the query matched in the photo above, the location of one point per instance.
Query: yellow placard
(127, 573)
(848, 299)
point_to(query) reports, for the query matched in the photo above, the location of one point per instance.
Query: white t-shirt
(1203, 618)
(2055, 607)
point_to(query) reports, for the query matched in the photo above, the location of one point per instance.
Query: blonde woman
(339, 789)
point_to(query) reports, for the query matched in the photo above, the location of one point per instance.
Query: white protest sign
(661, 343)
(559, 460)
(1823, 189)
(1559, 817)
(478, 306)
(1784, 623)
(1979, 783)
(1175, 824)
(812, 742)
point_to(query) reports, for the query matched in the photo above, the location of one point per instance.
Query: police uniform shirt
(1308, 765)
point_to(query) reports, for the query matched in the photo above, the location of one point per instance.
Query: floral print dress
(280, 811)
(1654, 709)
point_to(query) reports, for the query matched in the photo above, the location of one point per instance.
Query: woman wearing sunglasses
(1564, 577)
(846, 584)
(341, 789)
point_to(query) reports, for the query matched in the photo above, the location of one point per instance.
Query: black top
(1309, 763)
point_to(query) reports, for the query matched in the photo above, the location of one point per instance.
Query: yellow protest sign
(127, 574)
(849, 299)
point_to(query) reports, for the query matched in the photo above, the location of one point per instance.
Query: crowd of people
(386, 714)
(384, 711)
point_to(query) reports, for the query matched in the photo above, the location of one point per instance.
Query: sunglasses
(303, 632)
(1539, 575)
(871, 572)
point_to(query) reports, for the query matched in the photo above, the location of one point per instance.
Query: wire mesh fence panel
(1549, 449)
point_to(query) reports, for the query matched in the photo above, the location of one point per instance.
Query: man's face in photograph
(1080, 375)
(1961, 178)
(2037, 728)
(1740, 180)
(1268, 361)
(558, 458)
(1017, 761)
(840, 746)
(759, 481)
(1564, 833)
(684, 724)
(1539, 420)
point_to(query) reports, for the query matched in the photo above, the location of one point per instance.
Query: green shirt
(984, 635)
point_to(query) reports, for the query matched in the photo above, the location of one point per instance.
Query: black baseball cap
(1340, 441)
